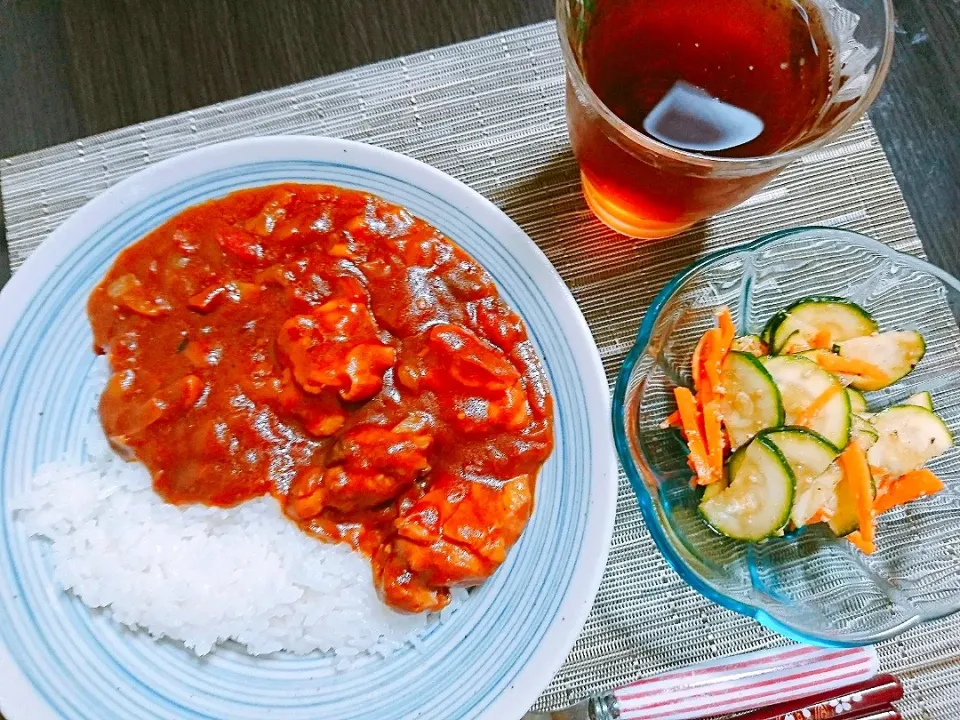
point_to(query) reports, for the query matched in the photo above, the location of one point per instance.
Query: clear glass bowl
(806, 585)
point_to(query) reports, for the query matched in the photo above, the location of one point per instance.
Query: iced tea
(699, 80)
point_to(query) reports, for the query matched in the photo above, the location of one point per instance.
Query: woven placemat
(490, 112)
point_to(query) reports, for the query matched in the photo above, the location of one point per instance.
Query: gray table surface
(72, 68)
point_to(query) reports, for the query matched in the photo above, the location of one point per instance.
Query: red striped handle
(874, 694)
(745, 682)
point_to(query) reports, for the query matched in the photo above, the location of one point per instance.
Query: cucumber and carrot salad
(781, 436)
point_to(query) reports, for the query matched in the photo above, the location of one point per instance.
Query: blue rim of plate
(642, 492)
(48, 634)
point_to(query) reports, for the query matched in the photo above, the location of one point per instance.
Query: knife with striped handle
(728, 685)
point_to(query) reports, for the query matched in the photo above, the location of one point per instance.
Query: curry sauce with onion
(327, 347)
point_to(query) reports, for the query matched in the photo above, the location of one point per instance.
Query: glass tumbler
(644, 188)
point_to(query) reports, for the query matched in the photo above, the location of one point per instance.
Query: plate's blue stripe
(85, 666)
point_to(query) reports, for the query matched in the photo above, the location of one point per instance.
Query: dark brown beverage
(721, 79)
(769, 57)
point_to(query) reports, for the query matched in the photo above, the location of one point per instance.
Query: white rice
(204, 575)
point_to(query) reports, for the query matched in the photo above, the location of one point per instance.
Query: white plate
(494, 656)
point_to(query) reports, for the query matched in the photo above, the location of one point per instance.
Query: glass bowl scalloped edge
(642, 491)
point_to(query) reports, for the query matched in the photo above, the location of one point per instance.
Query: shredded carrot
(711, 351)
(715, 443)
(705, 395)
(818, 517)
(822, 340)
(712, 360)
(672, 420)
(696, 362)
(699, 415)
(727, 332)
(913, 485)
(853, 462)
(819, 403)
(690, 421)
(867, 548)
(849, 366)
(727, 329)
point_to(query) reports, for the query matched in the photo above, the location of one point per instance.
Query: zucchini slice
(733, 463)
(766, 335)
(921, 399)
(909, 437)
(801, 381)
(895, 353)
(750, 401)
(858, 403)
(795, 342)
(820, 493)
(808, 456)
(840, 319)
(714, 489)
(842, 507)
(756, 504)
(750, 344)
(863, 432)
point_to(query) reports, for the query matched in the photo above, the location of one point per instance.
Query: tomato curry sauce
(325, 346)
